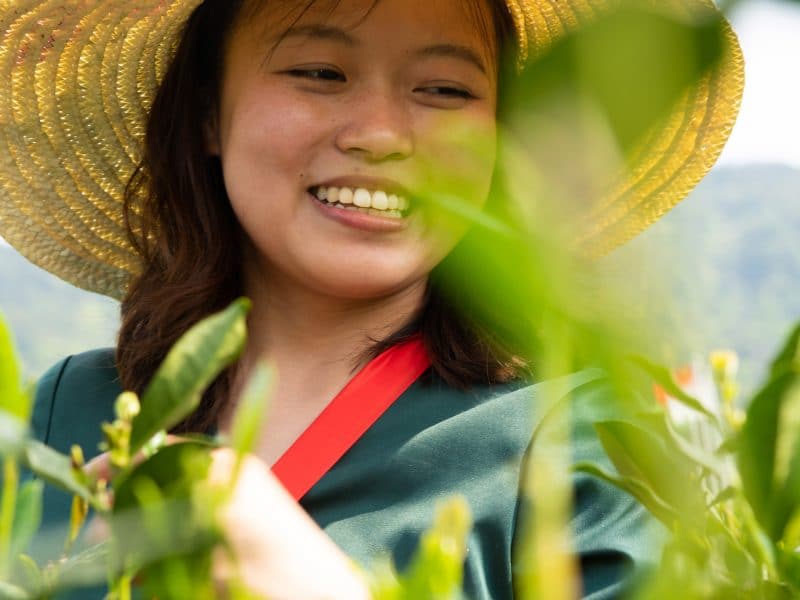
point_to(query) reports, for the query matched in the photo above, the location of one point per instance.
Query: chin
(365, 285)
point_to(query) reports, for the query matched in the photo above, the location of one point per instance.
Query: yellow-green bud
(127, 406)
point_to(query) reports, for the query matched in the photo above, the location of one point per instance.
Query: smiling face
(331, 127)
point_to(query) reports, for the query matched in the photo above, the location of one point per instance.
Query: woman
(178, 155)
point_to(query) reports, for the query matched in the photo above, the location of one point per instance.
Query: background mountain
(721, 270)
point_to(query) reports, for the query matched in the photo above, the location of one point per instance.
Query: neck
(317, 342)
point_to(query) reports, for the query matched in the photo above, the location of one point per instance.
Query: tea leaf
(789, 353)
(664, 378)
(251, 411)
(12, 592)
(642, 455)
(191, 366)
(54, 468)
(636, 488)
(27, 515)
(13, 432)
(13, 399)
(756, 455)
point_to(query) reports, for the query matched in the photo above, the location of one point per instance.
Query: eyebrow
(454, 51)
(335, 34)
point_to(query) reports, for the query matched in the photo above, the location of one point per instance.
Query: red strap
(348, 416)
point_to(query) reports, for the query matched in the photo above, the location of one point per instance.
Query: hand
(276, 543)
(272, 543)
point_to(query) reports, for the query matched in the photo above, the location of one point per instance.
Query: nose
(378, 128)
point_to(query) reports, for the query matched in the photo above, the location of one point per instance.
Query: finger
(100, 466)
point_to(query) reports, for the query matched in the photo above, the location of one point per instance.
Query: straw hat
(80, 75)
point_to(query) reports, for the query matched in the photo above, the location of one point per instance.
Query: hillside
(723, 270)
(50, 318)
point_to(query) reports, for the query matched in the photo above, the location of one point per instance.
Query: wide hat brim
(79, 77)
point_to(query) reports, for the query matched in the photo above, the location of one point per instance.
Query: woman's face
(372, 109)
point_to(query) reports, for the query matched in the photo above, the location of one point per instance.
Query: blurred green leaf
(636, 488)
(644, 456)
(12, 592)
(13, 399)
(146, 493)
(190, 367)
(251, 410)
(663, 377)
(54, 468)
(631, 64)
(27, 515)
(13, 433)
(436, 571)
(789, 353)
(757, 452)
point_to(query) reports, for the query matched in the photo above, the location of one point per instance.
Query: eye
(448, 91)
(319, 74)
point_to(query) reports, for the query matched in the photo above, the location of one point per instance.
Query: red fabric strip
(348, 416)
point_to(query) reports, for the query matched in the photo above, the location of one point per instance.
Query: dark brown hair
(180, 220)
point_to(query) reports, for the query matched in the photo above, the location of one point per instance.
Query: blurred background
(723, 268)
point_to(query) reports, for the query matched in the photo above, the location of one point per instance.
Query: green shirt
(433, 442)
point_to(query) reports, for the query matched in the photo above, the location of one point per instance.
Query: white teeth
(345, 196)
(362, 198)
(380, 201)
(377, 202)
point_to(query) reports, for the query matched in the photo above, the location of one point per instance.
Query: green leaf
(54, 468)
(757, 450)
(788, 354)
(636, 488)
(13, 398)
(12, 592)
(642, 455)
(159, 492)
(630, 65)
(13, 433)
(27, 515)
(198, 357)
(251, 411)
(664, 378)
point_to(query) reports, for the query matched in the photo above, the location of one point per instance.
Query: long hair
(181, 222)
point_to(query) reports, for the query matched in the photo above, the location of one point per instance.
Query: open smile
(370, 210)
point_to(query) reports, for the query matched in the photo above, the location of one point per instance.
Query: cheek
(459, 158)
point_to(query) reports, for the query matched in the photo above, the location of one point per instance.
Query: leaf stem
(7, 506)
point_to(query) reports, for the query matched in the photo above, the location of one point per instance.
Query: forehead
(465, 21)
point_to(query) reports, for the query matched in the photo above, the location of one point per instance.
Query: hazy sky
(768, 129)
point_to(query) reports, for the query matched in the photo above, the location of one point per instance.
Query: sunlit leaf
(13, 433)
(190, 367)
(251, 410)
(436, 571)
(12, 592)
(54, 468)
(640, 454)
(148, 494)
(27, 515)
(13, 399)
(757, 451)
(789, 353)
(664, 378)
(636, 488)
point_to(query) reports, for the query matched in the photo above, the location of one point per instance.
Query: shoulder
(73, 397)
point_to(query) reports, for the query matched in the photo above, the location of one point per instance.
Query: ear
(211, 135)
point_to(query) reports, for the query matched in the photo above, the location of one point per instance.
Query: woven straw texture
(79, 77)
